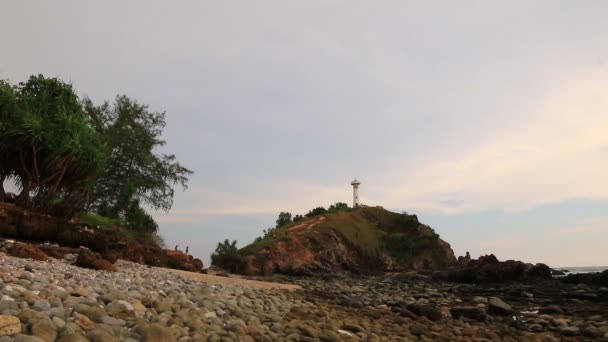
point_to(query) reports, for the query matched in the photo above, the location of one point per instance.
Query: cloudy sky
(488, 119)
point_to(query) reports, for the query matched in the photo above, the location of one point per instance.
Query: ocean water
(583, 269)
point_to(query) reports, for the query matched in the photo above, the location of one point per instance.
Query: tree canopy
(67, 154)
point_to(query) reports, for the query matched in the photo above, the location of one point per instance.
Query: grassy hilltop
(363, 239)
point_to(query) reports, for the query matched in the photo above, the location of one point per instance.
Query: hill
(360, 240)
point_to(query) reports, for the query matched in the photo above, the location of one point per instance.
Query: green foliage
(227, 256)
(136, 174)
(283, 219)
(339, 206)
(47, 143)
(297, 218)
(98, 220)
(316, 211)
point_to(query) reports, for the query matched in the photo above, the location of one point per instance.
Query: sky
(488, 119)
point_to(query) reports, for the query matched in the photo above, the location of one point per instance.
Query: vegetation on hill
(70, 157)
(369, 238)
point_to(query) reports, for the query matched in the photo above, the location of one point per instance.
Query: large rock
(94, 261)
(9, 325)
(473, 312)
(498, 307)
(23, 250)
(488, 269)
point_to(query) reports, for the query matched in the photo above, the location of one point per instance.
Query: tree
(136, 174)
(283, 219)
(339, 206)
(297, 218)
(48, 145)
(226, 256)
(316, 211)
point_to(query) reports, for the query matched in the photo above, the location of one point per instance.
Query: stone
(74, 337)
(27, 338)
(138, 307)
(569, 331)
(9, 325)
(551, 309)
(498, 307)
(79, 291)
(592, 332)
(418, 329)
(84, 322)
(88, 259)
(45, 329)
(157, 333)
(472, 312)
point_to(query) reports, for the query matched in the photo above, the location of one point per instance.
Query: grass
(98, 220)
(371, 229)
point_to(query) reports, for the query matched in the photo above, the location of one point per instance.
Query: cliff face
(363, 240)
(110, 244)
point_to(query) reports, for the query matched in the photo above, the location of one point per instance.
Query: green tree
(136, 174)
(283, 219)
(339, 206)
(297, 218)
(226, 256)
(48, 144)
(316, 211)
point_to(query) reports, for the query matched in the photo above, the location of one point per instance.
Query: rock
(9, 325)
(23, 250)
(427, 311)
(418, 329)
(88, 259)
(27, 338)
(472, 312)
(569, 331)
(80, 291)
(45, 329)
(551, 309)
(498, 307)
(157, 333)
(75, 337)
(138, 307)
(84, 322)
(592, 332)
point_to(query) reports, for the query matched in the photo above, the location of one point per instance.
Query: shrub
(227, 256)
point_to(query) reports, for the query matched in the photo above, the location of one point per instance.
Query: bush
(227, 256)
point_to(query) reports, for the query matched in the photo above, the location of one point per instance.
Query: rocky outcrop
(364, 240)
(488, 269)
(55, 237)
(594, 278)
(88, 259)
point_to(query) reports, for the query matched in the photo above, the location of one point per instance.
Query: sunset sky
(487, 119)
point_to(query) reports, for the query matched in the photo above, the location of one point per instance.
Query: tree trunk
(23, 199)
(2, 192)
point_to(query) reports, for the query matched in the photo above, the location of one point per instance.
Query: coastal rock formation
(361, 240)
(488, 269)
(55, 237)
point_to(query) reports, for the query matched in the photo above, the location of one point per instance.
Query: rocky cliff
(361, 240)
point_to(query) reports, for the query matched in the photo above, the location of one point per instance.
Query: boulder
(24, 250)
(88, 259)
(9, 325)
(498, 307)
(473, 312)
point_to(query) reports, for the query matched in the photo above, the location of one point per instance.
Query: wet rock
(88, 259)
(472, 312)
(569, 331)
(497, 306)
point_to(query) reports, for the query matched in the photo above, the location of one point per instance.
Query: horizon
(487, 121)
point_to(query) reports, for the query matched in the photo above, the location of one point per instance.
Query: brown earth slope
(363, 240)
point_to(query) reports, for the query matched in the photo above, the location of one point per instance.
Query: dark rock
(472, 312)
(88, 259)
(551, 310)
(487, 269)
(497, 306)
(597, 278)
(23, 250)
(427, 311)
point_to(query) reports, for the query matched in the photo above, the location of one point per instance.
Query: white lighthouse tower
(355, 185)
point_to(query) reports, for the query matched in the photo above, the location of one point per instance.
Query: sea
(582, 269)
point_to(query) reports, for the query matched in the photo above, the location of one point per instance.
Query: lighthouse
(355, 185)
